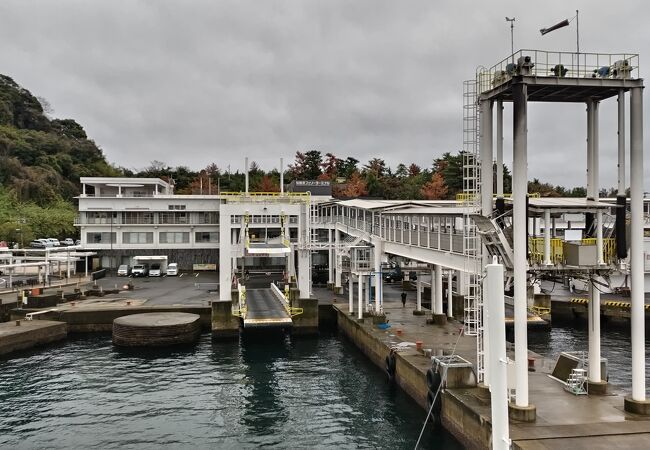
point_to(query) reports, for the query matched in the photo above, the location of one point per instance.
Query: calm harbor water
(614, 346)
(319, 393)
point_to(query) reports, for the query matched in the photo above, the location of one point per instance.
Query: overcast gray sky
(195, 82)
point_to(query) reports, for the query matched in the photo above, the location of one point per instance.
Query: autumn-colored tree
(414, 170)
(330, 167)
(267, 184)
(355, 187)
(436, 189)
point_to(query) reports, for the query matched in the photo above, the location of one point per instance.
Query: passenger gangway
(267, 308)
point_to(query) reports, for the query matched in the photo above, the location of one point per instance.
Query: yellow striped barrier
(580, 301)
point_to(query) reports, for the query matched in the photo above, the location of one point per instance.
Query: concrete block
(637, 407)
(522, 413)
(307, 322)
(439, 319)
(597, 388)
(224, 324)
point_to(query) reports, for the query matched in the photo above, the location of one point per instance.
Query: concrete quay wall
(409, 377)
(30, 333)
(98, 319)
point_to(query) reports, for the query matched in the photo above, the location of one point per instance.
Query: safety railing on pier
(542, 63)
(273, 197)
(557, 256)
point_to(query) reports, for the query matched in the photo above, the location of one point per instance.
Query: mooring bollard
(17, 323)
(418, 346)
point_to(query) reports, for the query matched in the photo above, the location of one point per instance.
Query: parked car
(37, 243)
(77, 242)
(393, 273)
(124, 270)
(67, 241)
(140, 270)
(172, 269)
(54, 242)
(155, 270)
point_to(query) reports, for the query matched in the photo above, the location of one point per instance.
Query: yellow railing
(536, 250)
(464, 197)
(264, 194)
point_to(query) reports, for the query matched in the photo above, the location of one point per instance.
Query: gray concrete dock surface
(563, 420)
(29, 333)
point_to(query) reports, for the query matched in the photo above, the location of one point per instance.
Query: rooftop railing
(542, 63)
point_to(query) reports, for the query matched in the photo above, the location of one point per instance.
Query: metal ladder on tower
(472, 245)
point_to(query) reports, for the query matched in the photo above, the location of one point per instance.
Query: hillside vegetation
(41, 160)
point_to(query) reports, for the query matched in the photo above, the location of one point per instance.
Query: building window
(177, 207)
(172, 218)
(100, 238)
(139, 237)
(101, 217)
(138, 218)
(208, 217)
(205, 236)
(174, 237)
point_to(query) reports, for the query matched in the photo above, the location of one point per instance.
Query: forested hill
(41, 160)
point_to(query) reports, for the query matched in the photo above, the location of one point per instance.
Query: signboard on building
(203, 267)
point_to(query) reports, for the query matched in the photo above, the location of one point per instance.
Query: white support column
(621, 143)
(599, 237)
(67, 264)
(592, 193)
(433, 289)
(246, 175)
(351, 294)
(337, 269)
(438, 281)
(304, 269)
(360, 301)
(519, 193)
(366, 294)
(547, 237)
(498, 363)
(379, 292)
(499, 149)
(486, 154)
(418, 294)
(594, 333)
(636, 244)
(450, 294)
(330, 258)
(281, 175)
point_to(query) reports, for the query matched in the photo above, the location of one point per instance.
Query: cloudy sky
(195, 82)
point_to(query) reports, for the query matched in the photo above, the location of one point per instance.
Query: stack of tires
(434, 395)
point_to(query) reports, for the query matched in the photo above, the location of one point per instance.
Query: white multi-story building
(121, 218)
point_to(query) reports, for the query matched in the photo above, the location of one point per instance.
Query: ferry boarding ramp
(265, 309)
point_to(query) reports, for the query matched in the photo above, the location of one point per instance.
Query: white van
(172, 269)
(53, 242)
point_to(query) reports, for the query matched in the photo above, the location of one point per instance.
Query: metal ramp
(494, 239)
(264, 309)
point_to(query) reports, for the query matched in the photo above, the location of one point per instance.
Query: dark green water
(281, 393)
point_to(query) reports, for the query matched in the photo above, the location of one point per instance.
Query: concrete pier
(24, 334)
(563, 420)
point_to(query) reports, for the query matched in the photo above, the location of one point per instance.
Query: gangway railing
(284, 298)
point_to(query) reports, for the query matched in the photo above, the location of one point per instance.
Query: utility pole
(512, 37)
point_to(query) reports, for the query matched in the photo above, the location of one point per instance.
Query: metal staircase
(473, 306)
